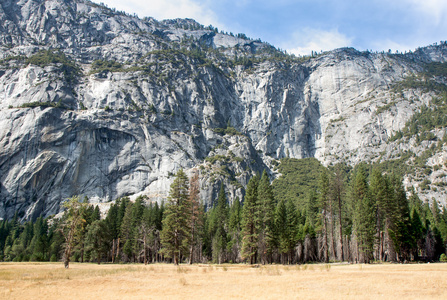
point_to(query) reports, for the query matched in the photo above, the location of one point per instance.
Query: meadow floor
(162, 281)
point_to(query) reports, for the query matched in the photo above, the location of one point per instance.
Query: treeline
(357, 216)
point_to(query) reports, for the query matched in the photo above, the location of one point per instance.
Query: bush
(229, 131)
(42, 104)
(106, 66)
(443, 258)
(53, 258)
(45, 58)
(37, 257)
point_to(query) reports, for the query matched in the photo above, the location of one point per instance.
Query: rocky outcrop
(177, 95)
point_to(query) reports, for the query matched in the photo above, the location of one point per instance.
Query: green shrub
(37, 257)
(105, 66)
(443, 258)
(215, 158)
(229, 131)
(45, 58)
(53, 258)
(42, 104)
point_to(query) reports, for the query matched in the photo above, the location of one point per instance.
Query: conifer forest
(309, 214)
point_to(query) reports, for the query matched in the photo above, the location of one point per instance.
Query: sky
(302, 26)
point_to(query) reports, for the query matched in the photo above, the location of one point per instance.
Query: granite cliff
(102, 104)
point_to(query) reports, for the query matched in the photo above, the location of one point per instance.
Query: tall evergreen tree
(113, 225)
(267, 218)
(281, 226)
(418, 233)
(176, 227)
(292, 229)
(39, 243)
(324, 210)
(98, 239)
(56, 240)
(337, 194)
(96, 215)
(220, 235)
(250, 222)
(196, 214)
(364, 217)
(380, 194)
(401, 230)
(234, 226)
(126, 233)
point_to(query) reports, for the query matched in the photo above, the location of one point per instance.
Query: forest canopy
(309, 214)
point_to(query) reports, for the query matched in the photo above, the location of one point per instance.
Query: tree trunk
(145, 250)
(176, 249)
(67, 254)
(338, 187)
(191, 250)
(118, 248)
(379, 236)
(325, 244)
(82, 252)
(334, 254)
(340, 229)
(113, 250)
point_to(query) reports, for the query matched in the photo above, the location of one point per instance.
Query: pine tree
(380, 196)
(176, 227)
(98, 239)
(234, 225)
(96, 215)
(337, 194)
(250, 222)
(292, 229)
(281, 227)
(220, 235)
(126, 232)
(267, 210)
(39, 243)
(137, 216)
(130, 226)
(87, 213)
(311, 209)
(401, 230)
(4, 232)
(21, 245)
(196, 214)
(111, 221)
(149, 232)
(364, 217)
(418, 232)
(324, 211)
(71, 225)
(56, 240)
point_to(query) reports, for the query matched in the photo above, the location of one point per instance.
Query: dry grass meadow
(162, 281)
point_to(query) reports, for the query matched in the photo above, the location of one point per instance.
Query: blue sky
(300, 26)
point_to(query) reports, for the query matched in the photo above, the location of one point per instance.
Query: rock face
(134, 100)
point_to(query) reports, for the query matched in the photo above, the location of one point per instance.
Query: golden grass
(319, 281)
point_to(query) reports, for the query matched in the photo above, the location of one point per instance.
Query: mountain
(99, 103)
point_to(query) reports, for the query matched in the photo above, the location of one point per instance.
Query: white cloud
(305, 41)
(167, 9)
(436, 10)
(423, 12)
